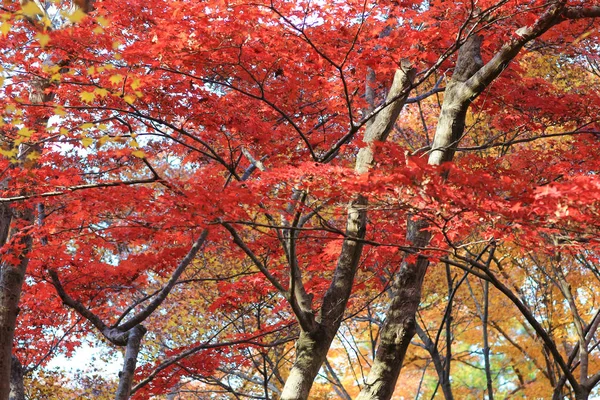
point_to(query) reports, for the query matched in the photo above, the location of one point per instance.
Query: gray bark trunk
(12, 276)
(11, 282)
(469, 80)
(17, 390)
(399, 326)
(440, 368)
(134, 340)
(311, 351)
(312, 347)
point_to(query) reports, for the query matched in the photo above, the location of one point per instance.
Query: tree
(272, 167)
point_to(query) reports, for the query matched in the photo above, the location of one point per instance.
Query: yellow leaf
(91, 70)
(64, 131)
(116, 79)
(138, 154)
(104, 139)
(97, 30)
(5, 28)
(8, 153)
(55, 77)
(43, 39)
(129, 99)
(30, 9)
(87, 125)
(88, 97)
(103, 22)
(116, 45)
(103, 127)
(59, 111)
(133, 143)
(34, 155)
(86, 141)
(101, 92)
(25, 132)
(135, 84)
(76, 16)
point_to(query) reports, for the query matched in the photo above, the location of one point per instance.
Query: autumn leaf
(30, 9)
(86, 141)
(43, 39)
(87, 97)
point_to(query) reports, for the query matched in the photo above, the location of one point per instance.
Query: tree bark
(440, 368)
(17, 390)
(399, 326)
(134, 340)
(12, 276)
(471, 77)
(11, 283)
(312, 347)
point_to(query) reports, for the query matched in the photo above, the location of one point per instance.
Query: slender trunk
(11, 282)
(446, 386)
(17, 390)
(312, 347)
(399, 327)
(12, 276)
(338, 387)
(486, 345)
(134, 340)
(440, 368)
(311, 351)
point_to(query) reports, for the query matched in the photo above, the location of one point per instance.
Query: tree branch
(149, 309)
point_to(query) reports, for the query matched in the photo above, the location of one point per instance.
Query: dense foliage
(261, 199)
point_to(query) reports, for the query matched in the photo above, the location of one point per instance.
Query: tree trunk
(311, 351)
(17, 390)
(470, 78)
(11, 282)
(134, 340)
(12, 276)
(399, 326)
(312, 347)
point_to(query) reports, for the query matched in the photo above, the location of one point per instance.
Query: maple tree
(277, 198)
